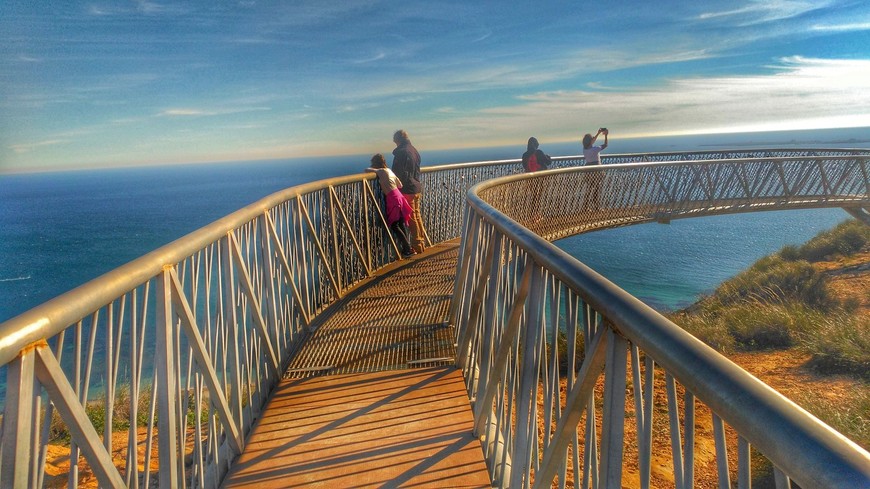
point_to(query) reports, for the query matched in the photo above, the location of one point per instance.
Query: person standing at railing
(535, 160)
(406, 166)
(398, 210)
(592, 156)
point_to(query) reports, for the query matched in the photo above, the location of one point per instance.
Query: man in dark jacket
(534, 159)
(406, 166)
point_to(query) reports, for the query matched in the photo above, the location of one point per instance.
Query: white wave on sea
(14, 279)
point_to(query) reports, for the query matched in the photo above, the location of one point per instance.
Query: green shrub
(762, 326)
(708, 328)
(790, 253)
(851, 418)
(773, 280)
(839, 345)
(847, 238)
(562, 345)
(782, 301)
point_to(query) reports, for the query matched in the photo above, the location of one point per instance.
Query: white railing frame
(508, 353)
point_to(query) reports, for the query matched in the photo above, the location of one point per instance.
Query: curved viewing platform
(288, 342)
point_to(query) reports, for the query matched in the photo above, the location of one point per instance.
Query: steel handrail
(500, 235)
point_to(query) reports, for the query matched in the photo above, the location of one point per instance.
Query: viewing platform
(373, 398)
(287, 345)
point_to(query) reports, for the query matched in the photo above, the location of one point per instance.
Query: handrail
(189, 339)
(516, 293)
(49, 318)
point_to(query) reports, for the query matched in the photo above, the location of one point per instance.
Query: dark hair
(378, 161)
(587, 141)
(533, 144)
(400, 136)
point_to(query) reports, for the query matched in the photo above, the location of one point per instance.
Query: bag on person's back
(532, 164)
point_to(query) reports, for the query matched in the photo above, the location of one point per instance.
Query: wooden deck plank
(396, 318)
(368, 425)
(404, 428)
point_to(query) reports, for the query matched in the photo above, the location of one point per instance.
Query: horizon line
(106, 166)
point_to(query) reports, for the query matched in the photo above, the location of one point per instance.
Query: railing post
(18, 422)
(231, 324)
(613, 423)
(462, 280)
(270, 276)
(166, 384)
(489, 309)
(527, 427)
(472, 296)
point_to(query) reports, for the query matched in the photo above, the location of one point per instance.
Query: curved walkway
(378, 423)
(396, 319)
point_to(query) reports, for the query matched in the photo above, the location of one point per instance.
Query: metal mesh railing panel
(397, 321)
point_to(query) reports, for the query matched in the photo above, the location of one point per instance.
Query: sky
(120, 83)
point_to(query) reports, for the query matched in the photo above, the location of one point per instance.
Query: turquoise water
(668, 266)
(59, 230)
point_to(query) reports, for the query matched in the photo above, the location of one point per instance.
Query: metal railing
(157, 369)
(166, 362)
(550, 348)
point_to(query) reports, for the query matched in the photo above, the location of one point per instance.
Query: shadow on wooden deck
(387, 425)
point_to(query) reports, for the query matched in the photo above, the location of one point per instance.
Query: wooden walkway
(377, 421)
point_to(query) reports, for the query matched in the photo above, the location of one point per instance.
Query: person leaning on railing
(397, 209)
(406, 166)
(535, 160)
(591, 154)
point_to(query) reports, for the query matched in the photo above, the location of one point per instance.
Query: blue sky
(103, 83)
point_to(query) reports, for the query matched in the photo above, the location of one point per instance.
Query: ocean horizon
(60, 229)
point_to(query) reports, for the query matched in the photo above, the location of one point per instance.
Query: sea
(61, 229)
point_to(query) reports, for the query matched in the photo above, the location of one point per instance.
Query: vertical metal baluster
(573, 322)
(591, 450)
(676, 447)
(166, 379)
(18, 419)
(528, 382)
(643, 417)
(109, 387)
(490, 308)
(73, 475)
(336, 254)
(231, 330)
(198, 456)
(721, 452)
(744, 464)
(149, 436)
(689, 441)
(462, 278)
(132, 466)
(781, 479)
(269, 296)
(46, 424)
(613, 416)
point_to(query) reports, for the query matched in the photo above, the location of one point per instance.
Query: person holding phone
(590, 152)
(592, 156)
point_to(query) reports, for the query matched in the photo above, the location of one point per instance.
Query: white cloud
(859, 26)
(28, 147)
(184, 113)
(376, 57)
(761, 11)
(802, 93)
(191, 112)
